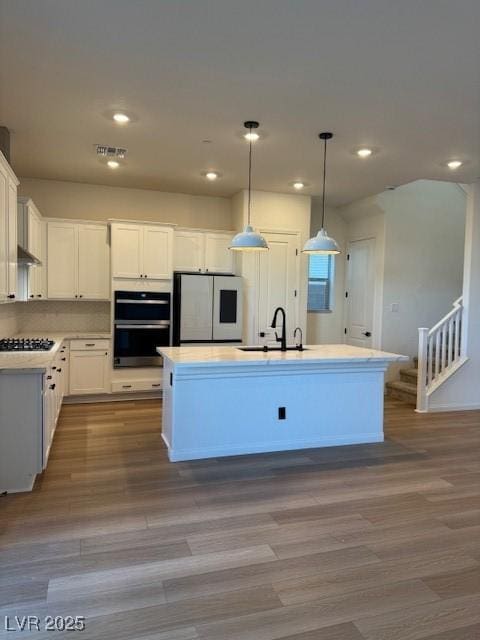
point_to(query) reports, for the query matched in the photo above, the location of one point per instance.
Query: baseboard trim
(454, 407)
(113, 397)
(271, 447)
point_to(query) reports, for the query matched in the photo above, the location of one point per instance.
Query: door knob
(367, 334)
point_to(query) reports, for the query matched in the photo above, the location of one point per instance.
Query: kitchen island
(224, 401)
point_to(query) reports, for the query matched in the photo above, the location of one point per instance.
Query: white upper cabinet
(127, 250)
(157, 252)
(12, 241)
(199, 251)
(32, 237)
(93, 262)
(189, 250)
(78, 261)
(142, 251)
(8, 232)
(62, 262)
(218, 257)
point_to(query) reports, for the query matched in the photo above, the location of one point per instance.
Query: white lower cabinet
(89, 367)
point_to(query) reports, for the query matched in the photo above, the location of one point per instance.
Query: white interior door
(360, 292)
(196, 308)
(277, 284)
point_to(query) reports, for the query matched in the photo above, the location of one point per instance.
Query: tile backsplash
(56, 315)
(8, 320)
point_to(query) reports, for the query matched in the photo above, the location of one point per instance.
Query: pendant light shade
(322, 243)
(248, 239)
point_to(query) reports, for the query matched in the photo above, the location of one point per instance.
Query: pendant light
(248, 239)
(322, 243)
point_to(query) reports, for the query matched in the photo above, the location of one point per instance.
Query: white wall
(462, 390)
(419, 231)
(61, 199)
(424, 249)
(327, 328)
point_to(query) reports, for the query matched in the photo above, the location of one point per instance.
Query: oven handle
(164, 325)
(130, 301)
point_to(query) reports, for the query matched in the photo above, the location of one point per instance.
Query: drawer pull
(156, 384)
(126, 386)
(90, 344)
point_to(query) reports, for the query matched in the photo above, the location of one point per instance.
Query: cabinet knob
(49, 377)
(64, 359)
(76, 296)
(81, 295)
(39, 295)
(59, 370)
(31, 295)
(52, 386)
(11, 296)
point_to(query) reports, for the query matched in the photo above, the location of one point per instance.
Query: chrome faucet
(283, 339)
(299, 344)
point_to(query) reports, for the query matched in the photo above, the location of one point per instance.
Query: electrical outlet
(394, 307)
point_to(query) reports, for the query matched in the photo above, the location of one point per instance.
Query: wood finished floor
(373, 542)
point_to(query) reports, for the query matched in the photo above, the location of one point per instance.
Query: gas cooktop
(26, 344)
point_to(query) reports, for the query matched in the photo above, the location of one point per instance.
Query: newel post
(422, 370)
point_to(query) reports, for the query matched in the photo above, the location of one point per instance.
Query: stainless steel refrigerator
(207, 309)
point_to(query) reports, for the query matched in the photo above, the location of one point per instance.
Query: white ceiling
(401, 76)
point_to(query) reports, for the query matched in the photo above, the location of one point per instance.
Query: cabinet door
(157, 252)
(189, 251)
(93, 262)
(3, 236)
(89, 372)
(127, 251)
(12, 240)
(36, 245)
(61, 260)
(218, 257)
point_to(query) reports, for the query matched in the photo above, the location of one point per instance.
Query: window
(320, 281)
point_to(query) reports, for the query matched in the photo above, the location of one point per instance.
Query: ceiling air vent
(105, 151)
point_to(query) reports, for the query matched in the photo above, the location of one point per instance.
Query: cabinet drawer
(124, 386)
(89, 345)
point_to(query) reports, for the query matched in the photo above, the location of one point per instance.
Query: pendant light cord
(324, 180)
(249, 174)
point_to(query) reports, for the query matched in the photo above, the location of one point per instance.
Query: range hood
(26, 259)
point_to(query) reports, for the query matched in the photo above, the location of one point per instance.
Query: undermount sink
(267, 349)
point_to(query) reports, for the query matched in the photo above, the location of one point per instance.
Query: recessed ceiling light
(211, 175)
(251, 135)
(298, 185)
(454, 164)
(364, 152)
(121, 118)
(113, 164)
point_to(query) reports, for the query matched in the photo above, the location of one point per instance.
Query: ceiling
(401, 77)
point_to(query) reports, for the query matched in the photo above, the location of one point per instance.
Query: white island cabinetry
(222, 401)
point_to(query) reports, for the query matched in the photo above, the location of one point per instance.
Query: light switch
(394, 307)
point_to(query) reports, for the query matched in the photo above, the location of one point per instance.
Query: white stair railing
(439, 353)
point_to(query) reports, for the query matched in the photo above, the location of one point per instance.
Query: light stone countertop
(319, 353)
(41, 360)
